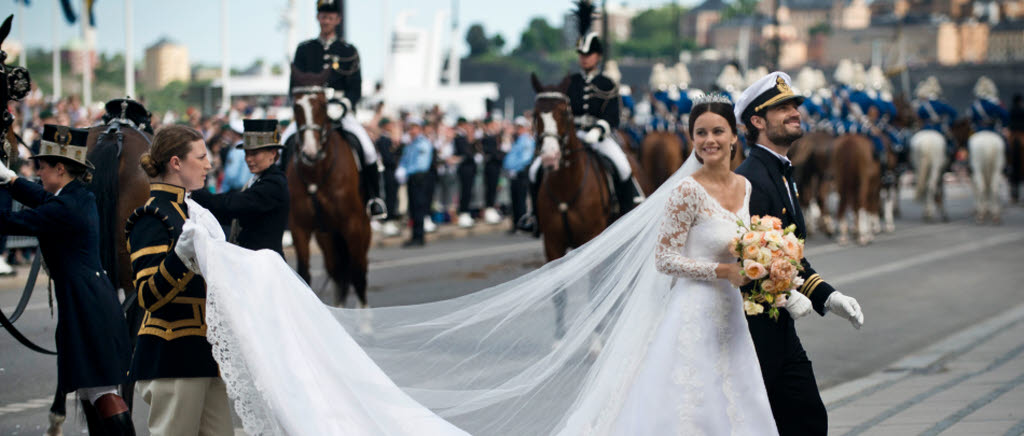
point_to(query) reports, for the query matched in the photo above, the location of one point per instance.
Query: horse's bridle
(323, 130)
(563, 140)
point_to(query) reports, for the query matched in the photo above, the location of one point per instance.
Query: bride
(677, 357)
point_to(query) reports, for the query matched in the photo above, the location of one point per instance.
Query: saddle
(353, 142)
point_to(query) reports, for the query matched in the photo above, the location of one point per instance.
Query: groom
(768, 109)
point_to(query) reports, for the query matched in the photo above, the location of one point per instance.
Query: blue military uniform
(516, 164)
(416, 161)
(987, 114)
(936, 115)
(92, 334)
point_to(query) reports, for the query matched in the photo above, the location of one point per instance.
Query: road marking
(27, 405)
(903, 264)
(460, 255)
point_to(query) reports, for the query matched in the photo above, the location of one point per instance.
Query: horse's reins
(323, 130)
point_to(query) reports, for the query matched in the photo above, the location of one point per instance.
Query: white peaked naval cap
(768, 91)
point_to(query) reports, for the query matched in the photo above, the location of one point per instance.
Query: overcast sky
(255, 29)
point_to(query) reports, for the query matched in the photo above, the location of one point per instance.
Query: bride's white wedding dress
(676, 355)
(700, 376)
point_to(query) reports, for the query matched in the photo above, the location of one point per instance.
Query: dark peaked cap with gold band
(64, 142)
(766, 92)
(327, 6)
(260, 134)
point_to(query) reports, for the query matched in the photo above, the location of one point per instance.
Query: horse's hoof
(843, 240)
(862, 241)
(889, 228)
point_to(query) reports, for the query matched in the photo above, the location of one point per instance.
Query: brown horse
(662, 154)
(813, 175)
(323, 181)
(1016, 163)
(857, 180)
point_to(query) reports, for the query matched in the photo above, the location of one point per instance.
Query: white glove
(401, 176)
(478, 158)
(6, 174)
(593, 136)
(846, 307)
(185, 248)
(798, 305)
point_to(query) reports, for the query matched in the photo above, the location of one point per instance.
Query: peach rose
(754, 270)
(755, 220)
(769, 287)
(751, 252)
(751, 238)
(765, 256)
(774, 223)
(773, 238)
(780, 301)
(782, 270)
(793, 249)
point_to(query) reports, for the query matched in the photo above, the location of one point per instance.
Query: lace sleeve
(680, 214)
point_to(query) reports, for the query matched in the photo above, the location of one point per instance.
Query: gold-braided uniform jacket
(172, 339)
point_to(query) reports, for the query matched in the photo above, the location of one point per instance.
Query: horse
(662, 154)
(857, 179)
(928, 154)
(1016, 157)
(813, 173)
(987, 152)
(326, 203)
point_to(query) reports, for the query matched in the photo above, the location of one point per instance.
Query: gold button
(783, 211)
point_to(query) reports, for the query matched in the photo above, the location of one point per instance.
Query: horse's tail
(105, 156)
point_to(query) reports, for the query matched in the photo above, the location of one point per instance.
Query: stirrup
(383, 213)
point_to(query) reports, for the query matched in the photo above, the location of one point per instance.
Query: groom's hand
(846, 307)
(798, 305)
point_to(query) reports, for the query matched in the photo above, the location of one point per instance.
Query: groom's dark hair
(715, 107)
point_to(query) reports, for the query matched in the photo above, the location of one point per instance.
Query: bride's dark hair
(716, 107)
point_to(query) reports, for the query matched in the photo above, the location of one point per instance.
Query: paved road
(917, 286)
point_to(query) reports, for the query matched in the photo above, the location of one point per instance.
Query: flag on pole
(69, 11)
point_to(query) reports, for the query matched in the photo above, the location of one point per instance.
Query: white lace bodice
(695, 232)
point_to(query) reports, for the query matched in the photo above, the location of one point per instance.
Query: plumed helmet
(730, 79)
(588, 42)
(929, 88)
(844, 72)
(986, 88)
(659, 78)
(683, 78)
(806, 81)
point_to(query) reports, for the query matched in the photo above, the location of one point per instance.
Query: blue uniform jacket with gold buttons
(92, 335)
(172, 339)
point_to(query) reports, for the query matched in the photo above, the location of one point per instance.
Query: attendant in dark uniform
(92, 335)
(768, 108)
(466, 150)
(389, 145)
(173, 362)
(345, 82)
(490, 146)
(258, 214)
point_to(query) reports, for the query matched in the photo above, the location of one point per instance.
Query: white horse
(928, 153)
(987, 154)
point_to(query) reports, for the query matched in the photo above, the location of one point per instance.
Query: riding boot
(117, 419)
(528, 222)
(628, 195)
(371, 181)
(92, 419)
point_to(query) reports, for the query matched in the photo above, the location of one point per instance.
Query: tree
(540, 38)
(739, 8)
(477, 39)
(654, 34)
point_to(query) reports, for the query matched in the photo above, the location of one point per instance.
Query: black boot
(371, 181)
(92, 419)
(528, 222)
(117, 419)
(628, 195)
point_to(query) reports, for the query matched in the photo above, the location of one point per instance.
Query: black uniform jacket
(465, 148)
(766, 174)
(261, 210)
(389, 153)
(593, 100)
(172, 340)
(338, 56)
(92, 335)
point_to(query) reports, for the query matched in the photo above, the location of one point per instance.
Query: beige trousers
(187, 406)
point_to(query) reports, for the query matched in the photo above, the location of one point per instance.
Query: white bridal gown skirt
(700, 375)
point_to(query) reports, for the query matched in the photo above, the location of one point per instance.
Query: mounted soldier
(986, 112)
(329, 52)
(595, 103)
(934, 114)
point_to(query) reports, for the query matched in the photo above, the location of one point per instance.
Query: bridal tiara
(715, 97)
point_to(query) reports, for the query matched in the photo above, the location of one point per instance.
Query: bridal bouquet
(771, 259)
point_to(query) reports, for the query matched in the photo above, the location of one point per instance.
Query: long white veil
(487, 363)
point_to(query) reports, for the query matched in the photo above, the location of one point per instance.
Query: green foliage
(480, 44)
(540, 38)
(170, 97)
(820, 28)
(739, 8)
(655, 35)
